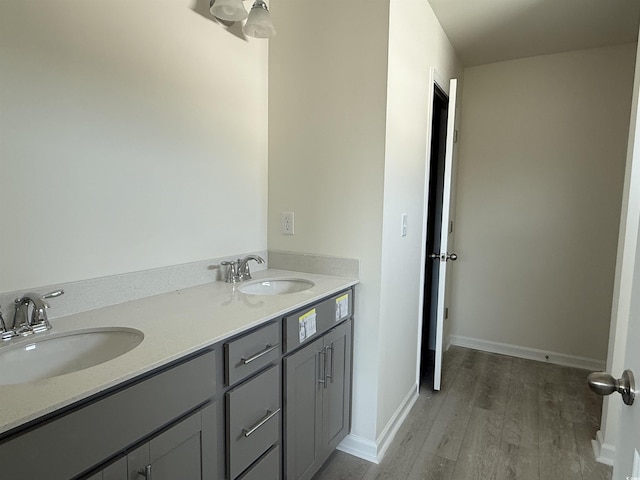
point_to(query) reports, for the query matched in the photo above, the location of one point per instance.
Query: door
(627, 463)
(445, 252)
(434, 231)
(437, 237)
(628, 447)
(303, 373)
(185, 451)
(337, 386)
(116, 471)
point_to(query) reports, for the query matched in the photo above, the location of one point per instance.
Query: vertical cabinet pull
(146, 472)
(323, 368)
(330, 375)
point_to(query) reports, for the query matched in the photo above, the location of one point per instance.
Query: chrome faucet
(5, 333)
(238, 271)
(39, 322)
(243, 266)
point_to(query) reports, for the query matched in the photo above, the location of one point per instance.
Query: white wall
(348, 122)
(416, 43)
(327, 93)
(133, 135)
(542, 155)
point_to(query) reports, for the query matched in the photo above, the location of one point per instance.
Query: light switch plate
(403, 225)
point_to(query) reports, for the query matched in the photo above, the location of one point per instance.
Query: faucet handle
(54, 294)
(232, 271)
(5, 333)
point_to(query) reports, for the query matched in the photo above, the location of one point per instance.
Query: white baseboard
(360, 447)
(374, 451)
(529, 353)
(604, 452)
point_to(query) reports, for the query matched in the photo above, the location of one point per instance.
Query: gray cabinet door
(336, 403)
(303, 411)
(186, 451)
(116, 471)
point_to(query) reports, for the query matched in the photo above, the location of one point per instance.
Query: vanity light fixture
(258, 22)
(230, 10)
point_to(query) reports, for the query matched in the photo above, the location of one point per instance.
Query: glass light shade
(259, 23)
(231, 10)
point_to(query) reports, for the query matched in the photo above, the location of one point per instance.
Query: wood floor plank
(432, 467)
(521, 423)
(555, 430)
(480, 451)
(591, 470)
(517, 463)
(493, 385)
(557, 464)
(410, 438)
(449, 428)
(466, 384)
(341, 466)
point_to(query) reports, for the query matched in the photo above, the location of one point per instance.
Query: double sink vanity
(234, 381)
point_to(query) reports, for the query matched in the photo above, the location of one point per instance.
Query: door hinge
(455, 136)
(446, 312)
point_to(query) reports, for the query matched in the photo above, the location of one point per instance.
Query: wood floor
(496, 418)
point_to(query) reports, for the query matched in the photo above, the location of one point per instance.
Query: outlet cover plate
(287, 225)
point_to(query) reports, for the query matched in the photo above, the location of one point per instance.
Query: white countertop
(174, 325)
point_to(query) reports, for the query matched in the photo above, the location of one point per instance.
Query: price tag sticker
(307, 325)
(342, 307)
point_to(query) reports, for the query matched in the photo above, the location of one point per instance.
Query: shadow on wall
(201, 7)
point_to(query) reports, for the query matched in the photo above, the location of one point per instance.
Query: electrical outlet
(287, 226)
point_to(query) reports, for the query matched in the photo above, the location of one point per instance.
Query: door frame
(434, 79)
(607, 437)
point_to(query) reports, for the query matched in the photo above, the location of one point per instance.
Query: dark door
(434, 230)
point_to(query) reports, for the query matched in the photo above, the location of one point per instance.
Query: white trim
(527, 352)
(604, 452)
(433, 76)
(374, 451)
(359, 447)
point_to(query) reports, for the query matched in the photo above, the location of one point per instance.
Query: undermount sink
(276, 286)
(68, 352)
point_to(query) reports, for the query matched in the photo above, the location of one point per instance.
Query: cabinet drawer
(250, 353)
(267, 468)
(253, 420)
(105, 426)
(311, 322)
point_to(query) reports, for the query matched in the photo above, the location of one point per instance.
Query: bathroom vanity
(266, 395)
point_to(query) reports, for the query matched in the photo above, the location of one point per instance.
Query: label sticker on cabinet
(307, 324)
(342, 307)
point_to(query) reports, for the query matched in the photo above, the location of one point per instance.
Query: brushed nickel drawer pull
(330, 375)
(269, 416)
(269, 349)
(322, 376)
(146, 472)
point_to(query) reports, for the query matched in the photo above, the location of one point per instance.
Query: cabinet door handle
(323, 368)
(146, 472)
(330, 375)
(267, 417)
(269, 349)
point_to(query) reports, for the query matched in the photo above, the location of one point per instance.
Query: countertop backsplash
(85, 295)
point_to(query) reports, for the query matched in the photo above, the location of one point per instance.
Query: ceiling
(487, 31)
